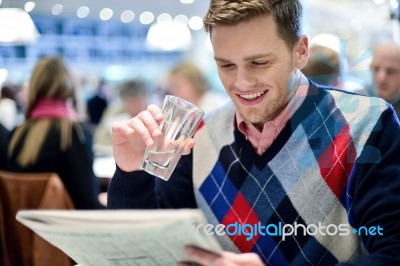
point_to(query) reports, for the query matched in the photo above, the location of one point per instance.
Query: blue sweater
(331, 176)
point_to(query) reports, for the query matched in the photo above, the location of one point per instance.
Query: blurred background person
(21, 97)
(97, 104)
(133, 98)
(187, 81)
(385, 67)
(8, 107)
(51, 139)
(323, 66)
(4, 138)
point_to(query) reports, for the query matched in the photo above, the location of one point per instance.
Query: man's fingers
(248, 259)
(188, 147)
(156, 112)
(120, 132)
(203, 257)
(151, 123)
(140, 128)
(146, 125)
(121, 128)
(207, 258)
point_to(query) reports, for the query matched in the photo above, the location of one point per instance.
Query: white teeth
(252, 96)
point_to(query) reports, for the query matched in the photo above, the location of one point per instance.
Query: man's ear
(301, 52)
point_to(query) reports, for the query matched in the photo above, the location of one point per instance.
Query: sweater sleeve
(376, 193)
(140, 190)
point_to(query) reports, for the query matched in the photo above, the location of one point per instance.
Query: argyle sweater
(333, 173)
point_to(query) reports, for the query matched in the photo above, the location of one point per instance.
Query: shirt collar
(281, 119)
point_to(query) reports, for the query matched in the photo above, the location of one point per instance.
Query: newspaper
(121, 237)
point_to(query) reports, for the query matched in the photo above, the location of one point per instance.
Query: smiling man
(317, 164)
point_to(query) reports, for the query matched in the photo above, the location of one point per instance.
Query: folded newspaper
(121, 237)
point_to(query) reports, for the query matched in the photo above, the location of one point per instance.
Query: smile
(252, 96)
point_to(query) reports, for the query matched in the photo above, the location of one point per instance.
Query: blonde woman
(52, 139)
(187, 81)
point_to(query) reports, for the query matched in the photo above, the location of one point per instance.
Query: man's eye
(256, 63)
(227, 66)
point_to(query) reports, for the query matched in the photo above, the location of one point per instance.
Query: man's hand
(130, 139)
(206, 258)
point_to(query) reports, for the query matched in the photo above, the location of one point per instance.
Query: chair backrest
(19, 245)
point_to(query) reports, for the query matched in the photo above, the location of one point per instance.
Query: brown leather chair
(19, 245)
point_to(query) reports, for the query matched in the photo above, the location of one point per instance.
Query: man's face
(256, 67)
(385, 67)
(134, 104)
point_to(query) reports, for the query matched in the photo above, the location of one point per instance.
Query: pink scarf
(50, 108)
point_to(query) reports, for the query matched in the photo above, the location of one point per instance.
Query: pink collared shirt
(261, 141)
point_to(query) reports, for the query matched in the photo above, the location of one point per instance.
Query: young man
(284, 153)
(385, 68)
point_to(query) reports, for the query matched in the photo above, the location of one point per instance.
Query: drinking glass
(181, 119)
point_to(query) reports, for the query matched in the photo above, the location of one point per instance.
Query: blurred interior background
(122, 39)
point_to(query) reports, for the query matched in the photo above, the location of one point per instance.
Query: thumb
(188, 147)
(248, 259)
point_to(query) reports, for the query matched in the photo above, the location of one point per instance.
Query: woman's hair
(51, 80)
(286, 13)
(192, 73)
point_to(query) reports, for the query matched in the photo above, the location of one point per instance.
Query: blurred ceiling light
(106, 13)
(196, 23)
(327, 40)
(117, 73)
(29, 6)
(83, 12)
(127, 16)
(164, 17)
(57, 9)
(379, 2)
(394, 4)
(187, 1)
(182, 18)
(169, 36)
(146, 17)
(17, 27)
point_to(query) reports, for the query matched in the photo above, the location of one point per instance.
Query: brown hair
(193, 73)
(50, 79)
(286, 13)
(134, 87)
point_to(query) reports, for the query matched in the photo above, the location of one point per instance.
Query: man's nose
(244, 79)
(380, 75)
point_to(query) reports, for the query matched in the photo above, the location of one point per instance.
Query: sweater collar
(262, 140)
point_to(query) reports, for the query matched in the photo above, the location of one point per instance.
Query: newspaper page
(121, 237)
